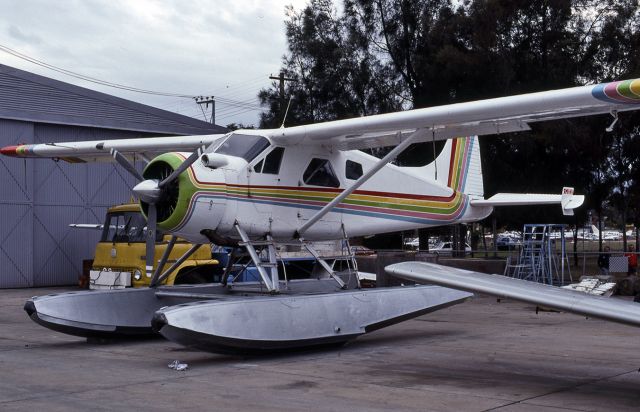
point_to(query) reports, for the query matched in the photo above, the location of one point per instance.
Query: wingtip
(9, 151)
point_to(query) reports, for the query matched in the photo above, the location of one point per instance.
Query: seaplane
(255, 190)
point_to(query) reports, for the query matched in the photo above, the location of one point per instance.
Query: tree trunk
(484, 242)
(423, 239)
(494, 225)
(600, 232)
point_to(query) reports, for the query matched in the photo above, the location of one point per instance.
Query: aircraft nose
(148, 191)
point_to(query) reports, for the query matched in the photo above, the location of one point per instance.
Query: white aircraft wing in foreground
(531, 292)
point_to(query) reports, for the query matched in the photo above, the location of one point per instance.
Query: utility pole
(282, 79)
(200, 100)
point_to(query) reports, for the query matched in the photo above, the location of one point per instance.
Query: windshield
(244, 146)
(126, 227)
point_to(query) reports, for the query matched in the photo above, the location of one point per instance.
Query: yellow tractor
(120, 255)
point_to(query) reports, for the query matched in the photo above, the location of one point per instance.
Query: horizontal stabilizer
(567, 200)
(545, 295)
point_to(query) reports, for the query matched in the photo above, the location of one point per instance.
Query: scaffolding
(539, 259)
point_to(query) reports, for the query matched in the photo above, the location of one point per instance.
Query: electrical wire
(233, 114)
(86, 78)
(231, 102)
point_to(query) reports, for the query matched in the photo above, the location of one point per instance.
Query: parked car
(360, 250)
(444, 249)
(507, 243)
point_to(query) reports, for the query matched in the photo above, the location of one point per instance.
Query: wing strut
(381, 163)
(176, 264)
(323, 263)
(163, 260)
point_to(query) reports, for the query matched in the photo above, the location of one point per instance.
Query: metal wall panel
(71, 193)
(16, 209)
(16, 245)
(56, 246)
(16, 174)
(49, 100)
(39, 198)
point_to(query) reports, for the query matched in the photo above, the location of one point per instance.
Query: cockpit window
(320, 173)
(244, 146)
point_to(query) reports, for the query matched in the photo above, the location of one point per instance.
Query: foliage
(237, 126)
(385, 55)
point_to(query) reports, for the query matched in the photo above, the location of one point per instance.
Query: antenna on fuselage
(286, 112)
(281, 79)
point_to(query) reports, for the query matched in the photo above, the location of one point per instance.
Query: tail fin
(459, 166)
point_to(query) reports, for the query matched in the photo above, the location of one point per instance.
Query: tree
(335, 75)
(385, 55)
(612, 50)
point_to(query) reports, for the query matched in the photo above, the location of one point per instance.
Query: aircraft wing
(482, 117)
(531, 292)
(101, 150)
(491, 116)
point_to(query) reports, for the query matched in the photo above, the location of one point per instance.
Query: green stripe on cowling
(186, 189)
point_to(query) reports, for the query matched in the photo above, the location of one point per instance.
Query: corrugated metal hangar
(40, 198)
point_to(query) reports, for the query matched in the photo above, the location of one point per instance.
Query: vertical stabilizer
(459, 166)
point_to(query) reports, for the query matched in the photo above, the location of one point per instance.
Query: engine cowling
(174, 198)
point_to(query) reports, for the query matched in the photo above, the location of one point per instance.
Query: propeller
(126, 164)
(152, 192)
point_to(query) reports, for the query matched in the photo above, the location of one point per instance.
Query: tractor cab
(119, 260)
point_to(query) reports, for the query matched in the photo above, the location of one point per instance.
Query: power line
(249, 84)
(234, 114)
(87, 78)
(90, 79)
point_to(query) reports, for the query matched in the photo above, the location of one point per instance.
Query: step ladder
(538, 260)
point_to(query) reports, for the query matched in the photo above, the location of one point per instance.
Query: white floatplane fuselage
(279, 199)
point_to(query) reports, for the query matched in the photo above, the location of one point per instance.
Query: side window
(273, 160)
(320, 173)
(353, 170)
(271, 163)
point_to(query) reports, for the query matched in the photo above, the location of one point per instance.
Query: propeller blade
(183, 166)
(126, 164)
(152, 217)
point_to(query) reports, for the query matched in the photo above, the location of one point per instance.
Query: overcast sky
(195, 47)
